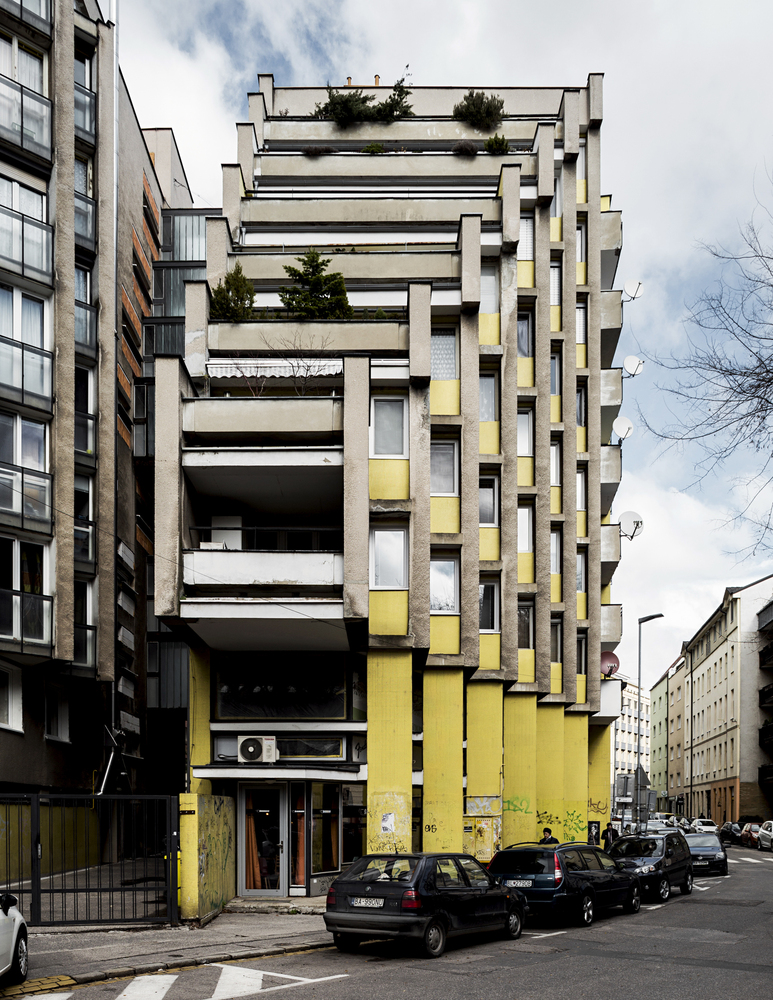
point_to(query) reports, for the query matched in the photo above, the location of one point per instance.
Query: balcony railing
(85, 329)
(83, 532)
(766, 697)
(25, 118)
(766, 738)
(36, 13)
(25, 619)
(25, 498)
(25, 374)
(85, 221)
(25, 246)
(85, 637)
(85, 434)
(85, 114)
(279, 539)
(766, 657)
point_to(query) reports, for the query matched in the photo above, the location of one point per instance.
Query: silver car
(765, 837)
(14, 960)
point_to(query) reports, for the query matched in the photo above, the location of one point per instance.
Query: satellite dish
(633, 365)
(623, 427)
(609, 664)
(631, 524)
(633, 289)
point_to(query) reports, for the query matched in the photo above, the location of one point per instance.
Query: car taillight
(557, 874)
(331, 897)
(411, 900)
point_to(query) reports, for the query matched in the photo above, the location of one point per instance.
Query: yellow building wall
(555, 588)
(444, 514)
(525, 273)
(525, 471)
(525, 372)
(605, 200)
(582, 439)
(484, 738)
(582, 689)
(606, 594)
(556, 678)
(582, 193)
(443, 735)
(389, 478)
(198, 717)
(527, 666)
(555, 409)
(390, 750)
(582, 524)
(582, 274)
(575, 777)
(490, 651)
(489, 328)
(489, 437)
(519, 799)
(207, 854)
(582, 605)
(555, 319)
(444, 397)
(388, 612)
(488, 542)
(550, 772)
(598, 774)
(582, 355)
(555, 499)
(444, 634)
(556, 229)
(525, 567)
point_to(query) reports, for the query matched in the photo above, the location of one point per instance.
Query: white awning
(304, 367)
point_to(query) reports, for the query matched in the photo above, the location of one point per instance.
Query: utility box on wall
(207, 854)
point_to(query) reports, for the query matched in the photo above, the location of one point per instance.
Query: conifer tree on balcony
(320, 295)
(232, 299)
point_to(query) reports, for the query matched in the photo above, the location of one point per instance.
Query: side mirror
(7, 900)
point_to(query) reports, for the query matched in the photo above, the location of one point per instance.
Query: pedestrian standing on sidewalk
(609, 836)
(548, 837)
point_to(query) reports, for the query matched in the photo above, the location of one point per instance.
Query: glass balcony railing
(25, 498)
(85, 329)
(84, 541)
(25, 374)
(85, 221)
(86, 434)
(25, 246)
(25, 619)
(25, 118)
(36, 13)
(85, 637)
(85, 114)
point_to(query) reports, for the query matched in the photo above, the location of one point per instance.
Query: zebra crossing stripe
(752, 861)
(147, 988)
(237, 982)
(58, 996)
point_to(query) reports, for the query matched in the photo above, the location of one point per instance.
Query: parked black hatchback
(709, 857)
(660, 860)
(427, 897)
(570, 880)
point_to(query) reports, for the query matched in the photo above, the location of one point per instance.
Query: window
(679, 722)
(556, 205)
(526, 238)
(83, 525)
(444, 585)
(555, 283)
(23, 575)
(444, 469)
(488, 398)
(22, 317)
(555, 463)
(84, 176)
(488, 500)
(582, 405)
(389, 558)
(556, 641)
(582, 571)
(20, 198)
(555, 550)
(525, 528)
(679, 694)
(525, 335)
(489, 289)
(555, 374)
(581, 244)
(489, 605)
(525, 625)
(20, 62)
(82, 285)
(581, 324)
(388, 427)
(57, 714)
(10, 698)
(443, 355)
(22, 442)
(525, 433)
(582, 653)
(582, 489)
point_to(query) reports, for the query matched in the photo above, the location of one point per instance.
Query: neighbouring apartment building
(367, 531)
(659, 736)
(629, 733)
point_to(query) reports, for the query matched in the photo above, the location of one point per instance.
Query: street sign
(625, 798)
(641, 777)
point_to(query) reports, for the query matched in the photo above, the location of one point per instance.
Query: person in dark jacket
(609, 836)
(548, 837)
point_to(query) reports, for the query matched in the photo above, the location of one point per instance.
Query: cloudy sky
(687, 147)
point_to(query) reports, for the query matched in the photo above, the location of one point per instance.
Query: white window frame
(582, 394)
(15, 712)
(494, 376)
(581, 323)
(582, 489)
(62, 712)
(556, 554)
(446, 331)
(526, 238)
(495, 522)
(526, 513)
(17, 442)
(33, 50)
(555, 283)
(582, 565)
(556, 478)
(555, 356)
(455, 561)
(372, 571)
(526, 314)
(88, 273)
(489, 272)
(530, 605)
(490, 582)
(525, 425)
(581, 233)
(455, 445)
(16, 335)
(16, 567)
(557, 621)
(372, 428)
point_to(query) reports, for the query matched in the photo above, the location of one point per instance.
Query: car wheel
(20, 962)
(513, 925)
(586, 911)
(434, 942)
(686, 887)
(664, 889)
(759, 844)
(633, 903)
(346, 942)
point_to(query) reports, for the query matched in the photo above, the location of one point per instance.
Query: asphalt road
(716, 943)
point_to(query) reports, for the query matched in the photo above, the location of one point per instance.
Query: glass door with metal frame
(263, 867)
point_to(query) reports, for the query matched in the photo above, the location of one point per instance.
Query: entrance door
(263, 856)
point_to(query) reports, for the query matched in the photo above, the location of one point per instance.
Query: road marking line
(752, 861)
(701, 888)
(57, 996)
(237, 982)
(552, 934)
(733, 861)
(655, 907)
(147, 988)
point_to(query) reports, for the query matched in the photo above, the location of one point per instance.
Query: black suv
(569, 880)
(660, 860)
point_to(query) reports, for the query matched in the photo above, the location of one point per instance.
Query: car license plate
(519, 883)
(367, 901)
(700, 862)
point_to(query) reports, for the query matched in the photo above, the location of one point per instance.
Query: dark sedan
(709, 857)
(426, 897)
(661, 862)
(730, 833)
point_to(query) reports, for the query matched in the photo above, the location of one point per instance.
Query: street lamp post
(647, 618)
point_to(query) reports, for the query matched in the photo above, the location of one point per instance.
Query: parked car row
(13, 940)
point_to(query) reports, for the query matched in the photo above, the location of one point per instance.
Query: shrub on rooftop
(351, 106)
(480, 110)
(496, 144)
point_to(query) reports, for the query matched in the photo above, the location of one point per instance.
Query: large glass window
(526, 238)
(582, 571)
(443, 469)
(488, 500)
(525, 624)
(20, 62)
(555, 374)
(556, 640)
(444, 585)
(581, 328)
(488, 398)
(21, 317)
(525, 433)
(525, 528)
(489, 289)
(555, 283)
(325, 819)
(489, 605)
(555, 463)
(388, 427)
(443, 355)
(389, 558)
(582, 489)
(555, 550)
(525, 336)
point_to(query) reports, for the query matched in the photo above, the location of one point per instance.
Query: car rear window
(523, 862)
(704, 840)
(637, 847)
(383, 868)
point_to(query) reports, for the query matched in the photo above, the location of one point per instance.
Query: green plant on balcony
(480, 110)
(318, 150)
(465, 148)
(352, 106)
(232, 299)
(496, 144)
(315, 295)
(374, 148)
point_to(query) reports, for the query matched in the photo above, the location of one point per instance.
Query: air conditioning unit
(256, 749)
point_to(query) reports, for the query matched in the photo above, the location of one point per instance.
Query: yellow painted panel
(555, 409)
(607, 518)
(582, 355)
(606, 202)
(444, 397)
(555, 500)
(606, 594)
(575, 777)
(198, 717)
(389, 478)
(390, 750)
(556, 230)
(525, 471)
(525, 567)
(490, 659)
(555, 319)
(207, 864)
(443, 735)
(555, 588)
(582, 272)
(582, 606)
(444, 633)
(488, 544)
(525, 273)
(527, 666)
(388, 612)
(556, 678)
(582, 193)
(582, 689)
(550, 771)
(582, 524)
(484, 738)
(598, 774)
(525, 372)
(489, 437)
(582, 439)
(519, 797)
(489, 328)
(444, 514)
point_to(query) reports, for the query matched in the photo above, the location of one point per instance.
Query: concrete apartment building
(367, 530)
(628, 732)
(659, 736)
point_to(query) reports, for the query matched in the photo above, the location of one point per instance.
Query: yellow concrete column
(443, 736)
(484, 739)
(550, 771)
(390, 747)
(519, 801)
(198, 721)
(598, 774)
(575, 777)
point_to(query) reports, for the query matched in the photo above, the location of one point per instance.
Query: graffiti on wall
(217, 863)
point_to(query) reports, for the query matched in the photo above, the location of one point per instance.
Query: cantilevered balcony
(25, 622)
(85, 114)
(611, 474)
(610, 551)
(25, 375)
(25, 498)
(35, 13)
(25, 118)
(611, 626)
(221, 570)
(766, 738)
(766, 697)
(611, 400)
(25, 245)
(283, 418)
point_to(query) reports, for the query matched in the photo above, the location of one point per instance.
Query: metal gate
(79, 859)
